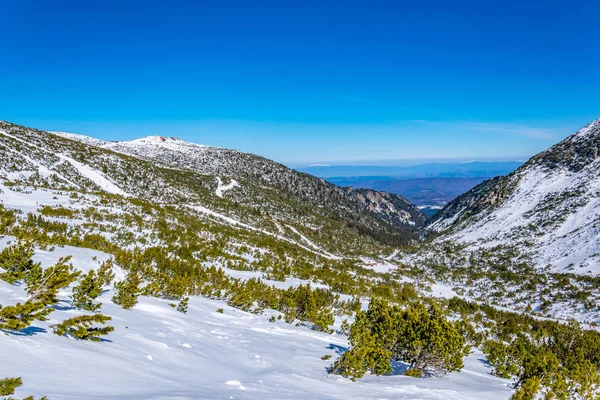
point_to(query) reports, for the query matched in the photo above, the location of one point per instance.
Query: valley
(235, 276)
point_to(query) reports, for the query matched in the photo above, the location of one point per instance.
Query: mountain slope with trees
(550, 207)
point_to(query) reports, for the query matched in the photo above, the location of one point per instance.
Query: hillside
(549, 207)
(314, 209)
(266, 302)
(380, 215)
(168, 282)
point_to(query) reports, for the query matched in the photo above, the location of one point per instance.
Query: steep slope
(550, 206)
(367, 210)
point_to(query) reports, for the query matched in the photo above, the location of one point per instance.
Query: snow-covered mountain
(237, 277)
(250, 189)
(209, 160)
(550, 207)
(241, 238)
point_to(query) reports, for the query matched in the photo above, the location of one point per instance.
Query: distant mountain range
(475, 169)
(429, 194)
(429, 186)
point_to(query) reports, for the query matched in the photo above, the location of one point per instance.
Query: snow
(588, 129)
(150, 146)
(80, 138)
(431, 207)
(94, 176)
(83, 169)
(313, 248)
(156, 352)
(223, 188)
(574, 241)
(311, 244)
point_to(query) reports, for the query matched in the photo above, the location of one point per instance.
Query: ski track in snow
(311, 244)
(94, 176)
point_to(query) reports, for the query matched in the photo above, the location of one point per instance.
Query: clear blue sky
(307, 81)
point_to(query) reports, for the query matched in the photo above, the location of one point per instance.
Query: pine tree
(20, 316)
(127, 291)
(16, 261)
(528, 390)
(89, 288)
(44, 285)
(105, 272)
(419, 335)
(8, 385)
(81, 327)
(183, 305)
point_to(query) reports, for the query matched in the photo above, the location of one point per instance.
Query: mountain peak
(573, 153)
(157, 139)
(591, 129)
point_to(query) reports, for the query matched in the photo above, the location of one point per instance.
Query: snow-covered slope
(210, 160)
(245, 187)
(550, 206)
(156, 352)
(81, 138)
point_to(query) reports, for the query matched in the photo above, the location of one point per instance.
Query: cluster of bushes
(555, 359)
(42, 287)
(503, 276)
(418, 334)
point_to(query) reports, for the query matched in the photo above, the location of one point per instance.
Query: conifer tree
(16, 261)
(8, 385)
(20, 316)
(89, 288)
(419, 335)
(528, 390)
(43, 285)
(106, 273)
(127, 291)
(82, 328)
(183, 305)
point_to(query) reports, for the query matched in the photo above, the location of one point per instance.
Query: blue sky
(307, 81)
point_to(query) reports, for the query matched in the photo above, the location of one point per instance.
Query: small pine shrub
(82, 328)
(127, 291)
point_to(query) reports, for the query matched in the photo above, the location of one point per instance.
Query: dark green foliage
(16, 262)
(20, 316)
(528, 391)
(43, 285)
(105, 273)
(182, 306)
(57, 212)
(561, 360)
(419, 335)
(8, 385)
(89, 288)
(82, 328)
(127, 291)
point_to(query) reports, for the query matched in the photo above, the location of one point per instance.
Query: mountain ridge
(211, 160)
(550, 205)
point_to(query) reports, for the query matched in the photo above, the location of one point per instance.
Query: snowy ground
(159, 353)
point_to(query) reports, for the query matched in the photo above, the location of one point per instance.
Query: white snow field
(221, 188)
(157, 352)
